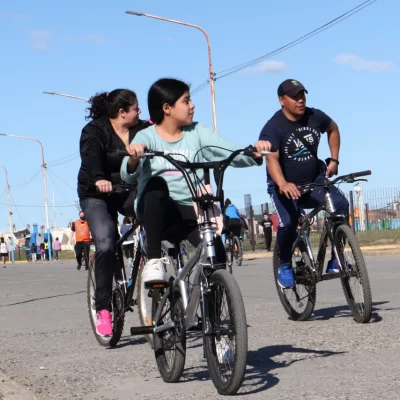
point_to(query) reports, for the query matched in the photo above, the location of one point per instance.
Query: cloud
(40, 39)
(360, 64)
(268, 66)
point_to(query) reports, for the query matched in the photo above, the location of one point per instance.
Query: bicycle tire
(171, 338)
(118, 313)
(364, 315)
(213, 351)
(312, 290)
(239, 255)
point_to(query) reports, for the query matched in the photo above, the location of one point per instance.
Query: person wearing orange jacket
(82, 240)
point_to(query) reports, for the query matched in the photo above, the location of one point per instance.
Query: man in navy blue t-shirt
(295, 164)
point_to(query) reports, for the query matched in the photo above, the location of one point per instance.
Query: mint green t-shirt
(191, 146)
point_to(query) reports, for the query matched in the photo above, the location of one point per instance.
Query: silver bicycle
(203, 281)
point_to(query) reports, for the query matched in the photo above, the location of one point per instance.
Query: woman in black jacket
(114, 123)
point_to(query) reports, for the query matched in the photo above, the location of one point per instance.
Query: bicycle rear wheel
(226, 346)
(144, 296)
(229, 254)
(237, 251)
(170, 345)
(118, 312)
(299, 301)
(354, 275)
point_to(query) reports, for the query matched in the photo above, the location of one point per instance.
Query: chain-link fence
(374, 216)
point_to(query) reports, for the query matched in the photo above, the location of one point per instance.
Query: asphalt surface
(48, 350)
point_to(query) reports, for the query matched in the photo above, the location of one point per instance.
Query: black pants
(82, 247)
(102, 218)
(235, 226)
(268, 238)
(165, 219)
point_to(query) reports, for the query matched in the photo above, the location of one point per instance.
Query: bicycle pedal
(156, 285)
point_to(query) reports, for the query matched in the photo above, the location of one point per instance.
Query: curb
(10, 390)
(367, 251)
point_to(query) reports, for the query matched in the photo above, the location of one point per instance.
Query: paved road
(48, 350)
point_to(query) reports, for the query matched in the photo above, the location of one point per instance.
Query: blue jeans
(102, 218)
(289, 212)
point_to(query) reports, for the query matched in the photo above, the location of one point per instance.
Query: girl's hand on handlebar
(133, 151)
(262, 145)
(104, 186)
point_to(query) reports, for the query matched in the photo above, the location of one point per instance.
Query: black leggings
(165, 219)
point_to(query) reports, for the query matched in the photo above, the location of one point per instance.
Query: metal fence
(374, 215)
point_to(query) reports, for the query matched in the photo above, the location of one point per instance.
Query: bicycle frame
(331, 221)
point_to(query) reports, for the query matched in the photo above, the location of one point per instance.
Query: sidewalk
(379, 250)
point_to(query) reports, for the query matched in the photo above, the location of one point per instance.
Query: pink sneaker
(103, 324)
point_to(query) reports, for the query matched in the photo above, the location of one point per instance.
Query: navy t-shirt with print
(298, 164)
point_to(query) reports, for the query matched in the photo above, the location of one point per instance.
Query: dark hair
(56, 238)
(164, 91)
(2, 240)
(127, 220)
(110, 103)
(227, 202)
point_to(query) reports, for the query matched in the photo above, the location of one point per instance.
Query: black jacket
(98, 142)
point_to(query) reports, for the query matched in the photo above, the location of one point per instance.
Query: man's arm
(334, 146)
(275, 171)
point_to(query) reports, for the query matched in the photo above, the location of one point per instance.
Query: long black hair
(110, 103)
(164, 91)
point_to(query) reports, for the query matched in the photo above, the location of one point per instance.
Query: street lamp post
(211, 73)
(8, 200)
(44, 168)
(9, 213)
(67, 95)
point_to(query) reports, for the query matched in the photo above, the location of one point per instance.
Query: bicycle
(234, 250)
(308, 270)
(123, 285)
(203, 281)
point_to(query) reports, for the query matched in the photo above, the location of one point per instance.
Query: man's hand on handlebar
(290, 190)
(262, 145)
(104, 186)
(133, 150)
(331, 170)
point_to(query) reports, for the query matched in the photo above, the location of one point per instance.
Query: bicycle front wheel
(354, 275)
(226, 346)
(299, 301)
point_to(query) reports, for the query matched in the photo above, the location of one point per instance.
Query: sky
(351, 72)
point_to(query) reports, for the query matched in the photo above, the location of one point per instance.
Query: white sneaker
(154, 270)
(225, 354)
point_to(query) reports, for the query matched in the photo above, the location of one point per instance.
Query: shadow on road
(260, 364)
(344, 311)
(43, 298)
(129, 341)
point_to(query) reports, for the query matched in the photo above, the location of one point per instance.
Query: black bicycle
(234, 250)
(124, 285)
(299, 301)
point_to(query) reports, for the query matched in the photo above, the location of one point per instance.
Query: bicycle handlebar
(182, 166)
(349, 178)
